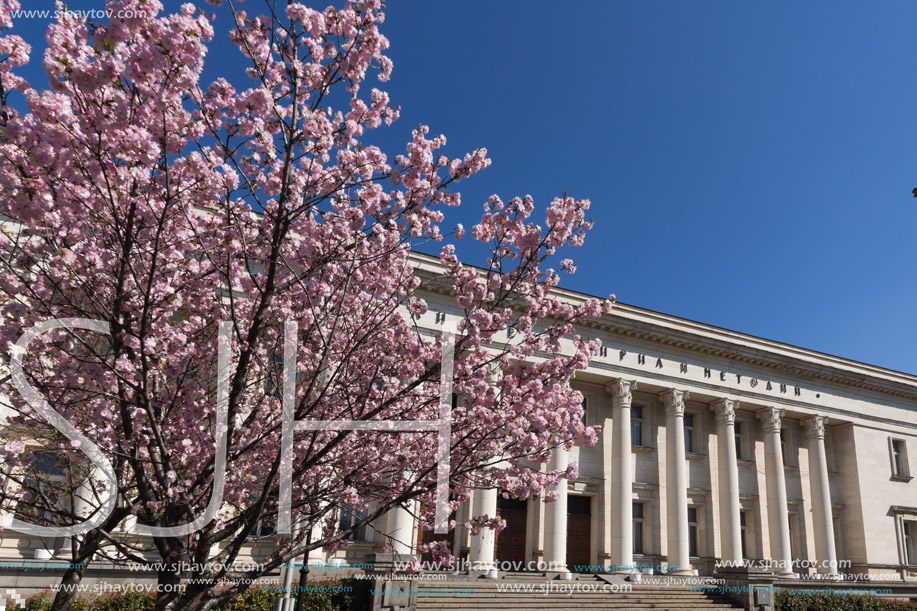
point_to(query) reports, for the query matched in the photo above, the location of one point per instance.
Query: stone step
(578, 597)
(545, 603)
(429, 605)
(432, 590)
(554, 587)
(534, 606)
(491, 594)
(608, 605)
(564, 602)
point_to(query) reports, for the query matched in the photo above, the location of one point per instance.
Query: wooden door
(510, 543)
(579, 534)
(428, 536)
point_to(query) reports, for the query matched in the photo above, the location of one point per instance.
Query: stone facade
(748, 449)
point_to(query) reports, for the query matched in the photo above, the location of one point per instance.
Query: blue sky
(750, 165)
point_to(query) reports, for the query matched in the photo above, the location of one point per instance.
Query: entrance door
(428, 536)
(579, 533)
(510, 543)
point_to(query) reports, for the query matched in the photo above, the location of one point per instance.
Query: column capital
(772, 418)
(815, 426)
(725, 410)
(621, 391)
(674, 401)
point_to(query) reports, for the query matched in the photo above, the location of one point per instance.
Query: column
(728, 469)
(287, 572)
(91, 494)
(401, 530)
(84, 500)
(777, 518)
(676, 480)
(622, 519)
(481, 554)
(555, 521)
(317, 556)
(822, 516)
(84, 503)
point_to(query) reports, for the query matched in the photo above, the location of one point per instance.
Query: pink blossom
(14, 447)
(162, 205)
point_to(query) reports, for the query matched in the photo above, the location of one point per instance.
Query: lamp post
(303, 574)
(285, 602)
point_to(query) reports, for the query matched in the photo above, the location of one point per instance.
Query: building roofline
(652, 325)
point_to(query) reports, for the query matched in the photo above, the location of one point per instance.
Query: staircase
(524, 591)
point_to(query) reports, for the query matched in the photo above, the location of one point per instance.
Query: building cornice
(627, 321)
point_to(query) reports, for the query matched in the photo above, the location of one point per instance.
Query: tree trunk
(67, 590)
(188, 600)
(168, 590)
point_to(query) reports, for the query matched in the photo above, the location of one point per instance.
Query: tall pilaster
(676, 481)
(481, 554)
(728, 469)
(555, 523)
(822, 517)
(317, 556)
(622, 525)
(778, 521)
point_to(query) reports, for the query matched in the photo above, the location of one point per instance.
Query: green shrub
(253, 599)
(357, 599)
(326, 596)
(784, 601)
(37, 603)
(127, 601)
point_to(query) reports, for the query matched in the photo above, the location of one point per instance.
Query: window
(692, 531)
(636, 425)
(738, 437)
(585, 417)
(689, 433)
(265, 526)
(638, 528)
(743, 523)
(273, 375)
(581, 505)
(349, 517)
(43, 490)
(906, 532)
(899, 458)
(910, 534)
(186, 374)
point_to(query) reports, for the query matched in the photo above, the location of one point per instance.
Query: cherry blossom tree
(171, 211)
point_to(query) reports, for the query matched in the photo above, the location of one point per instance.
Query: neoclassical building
(716, 446)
